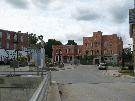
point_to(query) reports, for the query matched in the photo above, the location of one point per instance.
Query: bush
(22, 59)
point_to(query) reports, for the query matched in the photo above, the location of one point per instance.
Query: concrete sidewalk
(53, 93)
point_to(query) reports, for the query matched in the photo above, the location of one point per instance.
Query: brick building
(66, 53)
(8, 39)
(103, 47)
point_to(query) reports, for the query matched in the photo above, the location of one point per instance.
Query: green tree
(127, 54)
(48, 47)
(33, 39)
(71, 42)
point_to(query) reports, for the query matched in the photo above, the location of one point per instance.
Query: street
(87, 83)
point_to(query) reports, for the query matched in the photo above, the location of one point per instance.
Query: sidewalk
(53, 93)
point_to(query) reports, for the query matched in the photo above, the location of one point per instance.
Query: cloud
(41, 3)
(119, 11)
(49, 4)
(85, 14)
(22, 4)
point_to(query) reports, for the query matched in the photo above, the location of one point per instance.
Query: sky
(67, 19)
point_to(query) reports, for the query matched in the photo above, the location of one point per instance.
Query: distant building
(11, 42)
(8, 39)
(66, 53)
(104, 48)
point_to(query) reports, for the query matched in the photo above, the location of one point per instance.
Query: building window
(8, 40)
(15, 37)
(68, 50)
(91, 45)
(78, 51)
(97, 44)
(86, 44)
(0, 39)
(110, 44)
(15, 46)
(91, 52)
(21, 38)
(7, 45)
(111, 52)
(97, 52)
(105, 44)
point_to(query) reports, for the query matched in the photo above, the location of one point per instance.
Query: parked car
(102, 66)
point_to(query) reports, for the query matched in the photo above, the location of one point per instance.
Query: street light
(42, 52)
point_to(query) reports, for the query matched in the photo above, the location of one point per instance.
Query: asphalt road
(85, 74)
(87, 83)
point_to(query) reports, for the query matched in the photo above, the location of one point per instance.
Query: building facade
(12, 44)
(13, 40)
(104, 48)
(66, 53)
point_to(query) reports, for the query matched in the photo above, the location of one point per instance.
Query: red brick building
(8, 39)
(102, 47)
(66, 53)
(107, 46)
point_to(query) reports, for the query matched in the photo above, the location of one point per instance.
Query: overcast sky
(66, 19)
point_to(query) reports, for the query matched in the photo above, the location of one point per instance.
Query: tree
(127, 54)
(33, 39)
(48, 47)
(71, 42)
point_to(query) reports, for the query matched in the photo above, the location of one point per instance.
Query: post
(42, 53)
(59, 57)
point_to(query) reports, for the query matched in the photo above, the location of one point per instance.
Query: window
(7, 45)
(69, 50)
(15, 46)
(21, 38)
(66, 50)
(8, 40)
(78, 51)
(15, 37)
(97, 44)
(91, 45)
(111, 52)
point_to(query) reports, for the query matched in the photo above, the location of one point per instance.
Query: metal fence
(42, 91)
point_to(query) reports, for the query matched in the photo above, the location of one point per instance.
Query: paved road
(85, 74)
(87, 83)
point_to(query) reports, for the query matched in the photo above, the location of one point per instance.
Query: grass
(127, 72)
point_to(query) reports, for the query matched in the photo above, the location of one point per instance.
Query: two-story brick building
(13, 40)
(66, 53)
(12, 44)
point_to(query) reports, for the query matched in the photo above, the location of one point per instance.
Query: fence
(42, 91)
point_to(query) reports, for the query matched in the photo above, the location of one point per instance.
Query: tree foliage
(71, 42)
(48, 47)
(33, 39)
(127, 54)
